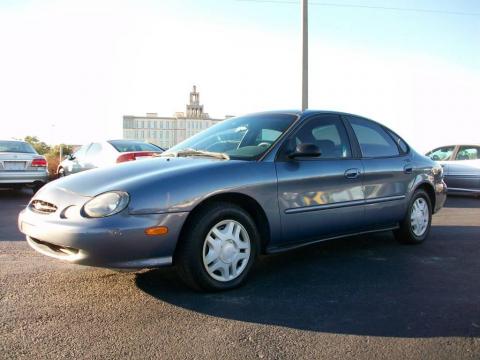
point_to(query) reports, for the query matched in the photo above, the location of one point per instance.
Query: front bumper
(118, 241)
(23, 177)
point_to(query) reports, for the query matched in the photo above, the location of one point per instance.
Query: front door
(322, 196)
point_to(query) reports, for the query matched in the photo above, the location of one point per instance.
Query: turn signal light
(156, 230)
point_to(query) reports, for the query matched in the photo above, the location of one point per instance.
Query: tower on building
(194, 109)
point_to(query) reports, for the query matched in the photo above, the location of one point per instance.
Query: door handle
(352, 173)
(408, 169)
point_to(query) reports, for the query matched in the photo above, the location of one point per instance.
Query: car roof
(454, 145)
(308, 112)
(14, 140)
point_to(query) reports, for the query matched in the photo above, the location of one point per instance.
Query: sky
(70, 69)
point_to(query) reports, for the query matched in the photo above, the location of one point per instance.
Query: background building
(168, 131)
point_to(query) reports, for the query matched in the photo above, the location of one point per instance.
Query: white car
(461, 167)
(100, 154)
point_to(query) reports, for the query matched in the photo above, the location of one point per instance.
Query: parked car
(100, 154)
(21, 166)
(261, 183)
(461, 167)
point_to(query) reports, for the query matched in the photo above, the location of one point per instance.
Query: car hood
(130, 175)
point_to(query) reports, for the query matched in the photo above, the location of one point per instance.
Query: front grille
(61, 250)
(43, 207)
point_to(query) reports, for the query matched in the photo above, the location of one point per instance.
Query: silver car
(21, 166)
(100, 154)
(256, 184)
(461, 167)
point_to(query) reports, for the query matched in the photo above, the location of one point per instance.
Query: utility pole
(304, 55)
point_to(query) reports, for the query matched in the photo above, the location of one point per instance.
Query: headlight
(106, 204)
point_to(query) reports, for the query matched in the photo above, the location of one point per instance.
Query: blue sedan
(251, 185)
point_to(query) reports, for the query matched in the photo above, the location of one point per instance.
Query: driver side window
(80, 153)
(328, 133)
(443, 153)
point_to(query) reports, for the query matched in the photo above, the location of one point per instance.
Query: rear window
(16, 147)
(126, 146)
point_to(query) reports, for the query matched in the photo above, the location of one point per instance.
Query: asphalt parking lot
(364, 297)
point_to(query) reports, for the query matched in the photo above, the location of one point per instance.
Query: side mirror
(71, 157)
(305, 150)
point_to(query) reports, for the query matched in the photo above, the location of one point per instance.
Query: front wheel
(218, 248)
(415, 227)
(61, 173)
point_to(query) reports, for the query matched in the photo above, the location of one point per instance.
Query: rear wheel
(415, 227)
(61, 172)
(218, 248)
(36, 187)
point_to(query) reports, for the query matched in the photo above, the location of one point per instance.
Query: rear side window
(468, 153)
(399, 141)
(373, 140)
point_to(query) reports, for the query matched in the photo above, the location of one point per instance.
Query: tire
(217, 248)
(61, 173)
(414, 229)
(37, 186)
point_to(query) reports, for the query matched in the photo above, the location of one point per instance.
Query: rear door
(320, 196)
(388, 172)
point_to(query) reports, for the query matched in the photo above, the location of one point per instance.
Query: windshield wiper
(193, 152)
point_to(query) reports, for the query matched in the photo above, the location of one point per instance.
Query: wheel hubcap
(419, 217)
(226, 250)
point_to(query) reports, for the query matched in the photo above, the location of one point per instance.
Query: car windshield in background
(440, 154)
(127, 146)
(241, 138)
(16, 147)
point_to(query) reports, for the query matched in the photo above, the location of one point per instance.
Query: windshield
(16, 147)
(240, 138)
(129, 145)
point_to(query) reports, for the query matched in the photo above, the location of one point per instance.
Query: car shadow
(11, 203)
(462, 201)
(366, 285)
(15, 194)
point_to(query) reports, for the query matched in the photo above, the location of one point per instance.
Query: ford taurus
(251, 185)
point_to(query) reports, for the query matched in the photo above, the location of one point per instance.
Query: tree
(41, 147)
(66, 150)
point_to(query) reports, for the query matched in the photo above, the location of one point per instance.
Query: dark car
(461, 167)
(105, 153)
(260, 183)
